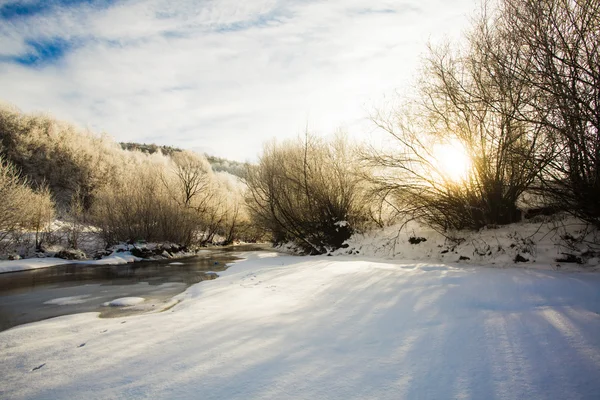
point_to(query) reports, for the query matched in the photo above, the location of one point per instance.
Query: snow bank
(34, 263)
(30, 263)
(124, 302)
(328, 328)
(559, 244)
(113, 259)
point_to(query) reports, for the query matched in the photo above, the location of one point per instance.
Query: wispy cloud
(221, 75)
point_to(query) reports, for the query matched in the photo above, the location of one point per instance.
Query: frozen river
(34, 295)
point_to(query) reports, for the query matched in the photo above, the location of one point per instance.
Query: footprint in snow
(38, 367)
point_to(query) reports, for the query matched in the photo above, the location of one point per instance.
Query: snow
(71, 300)
(124, 302)
(539, 244)
(34, 263)
(113, 259)
(30, 263)
(345, 327)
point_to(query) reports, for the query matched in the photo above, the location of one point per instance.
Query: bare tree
(469, 97)
(559, 59)
(15, 194)
(76, 219)
(192, 172)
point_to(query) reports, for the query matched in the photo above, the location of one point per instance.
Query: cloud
(218, 74)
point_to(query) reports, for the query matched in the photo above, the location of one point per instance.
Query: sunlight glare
(452, 160)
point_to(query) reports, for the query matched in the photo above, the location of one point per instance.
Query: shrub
(59, 155)
(22, 209)
(141, 208)
(307, 192)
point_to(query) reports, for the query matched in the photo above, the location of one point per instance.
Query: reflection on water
(34, 295)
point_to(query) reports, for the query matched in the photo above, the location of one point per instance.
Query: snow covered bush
(130, 195)
(22, 208)
(162, 199)
(307, 191)
(58, 154)
(140, 207)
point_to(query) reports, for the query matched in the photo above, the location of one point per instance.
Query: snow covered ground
(559, 243)
(284, 327)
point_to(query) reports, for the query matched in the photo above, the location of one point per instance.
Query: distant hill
(222, 164)
(149, 148)
(217, 163)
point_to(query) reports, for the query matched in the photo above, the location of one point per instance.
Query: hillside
(218, 164)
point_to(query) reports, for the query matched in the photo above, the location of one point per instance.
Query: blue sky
(221, 76)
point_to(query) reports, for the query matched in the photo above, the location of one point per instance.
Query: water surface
(34, 295)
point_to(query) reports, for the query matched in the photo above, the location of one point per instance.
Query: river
(34, 295)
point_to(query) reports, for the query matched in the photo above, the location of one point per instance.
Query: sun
(452, 160)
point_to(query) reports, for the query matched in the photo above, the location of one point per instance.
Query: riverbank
(35, 263)
(117, 255)
(276, 326)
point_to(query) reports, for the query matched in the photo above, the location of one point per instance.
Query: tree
(559, 59)
(193, 175)
(469, 97)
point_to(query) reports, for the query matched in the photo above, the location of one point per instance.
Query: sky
(217, 76)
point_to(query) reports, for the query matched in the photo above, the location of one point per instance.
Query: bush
(59, 155)
(307, 192)
(164, 199)
(141, 208)
(22, 209)
(130, 195)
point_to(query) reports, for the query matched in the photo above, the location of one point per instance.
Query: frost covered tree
(22, 209)
(307, 191)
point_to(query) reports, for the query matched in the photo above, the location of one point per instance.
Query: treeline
(218, 164)
(50, 168)
(150, 148)
(520, 94)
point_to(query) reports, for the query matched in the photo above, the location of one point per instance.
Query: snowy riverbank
(34, 263)
(118, 255)
(278, 326)
(559, 243)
